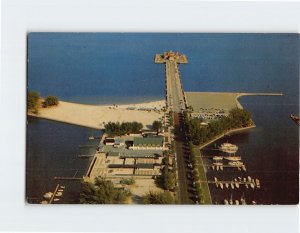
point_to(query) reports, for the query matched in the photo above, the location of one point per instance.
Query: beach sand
(95, 116)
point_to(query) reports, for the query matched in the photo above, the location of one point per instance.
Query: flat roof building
(156, 143)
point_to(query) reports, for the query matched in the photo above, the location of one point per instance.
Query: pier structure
(176, 104)
(174, 92)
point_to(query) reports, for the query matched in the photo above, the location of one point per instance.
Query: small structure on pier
(171, 56)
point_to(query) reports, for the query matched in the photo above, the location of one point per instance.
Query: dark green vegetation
(50, 101)
(33, 104)
(159, 198)
(157, 125)
(171, 118)
(32, 101)
(117, 129)
(102, 192)
(199, 134)
(168, 177)
(202, 188)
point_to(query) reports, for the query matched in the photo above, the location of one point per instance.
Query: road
(177, 105)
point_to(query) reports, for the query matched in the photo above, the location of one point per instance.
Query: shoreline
(96, 116)
(237, 130)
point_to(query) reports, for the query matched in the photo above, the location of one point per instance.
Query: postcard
(162, 118)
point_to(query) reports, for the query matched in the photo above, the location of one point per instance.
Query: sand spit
(95, 116)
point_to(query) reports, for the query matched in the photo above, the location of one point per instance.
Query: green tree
(158, 198)
(32, 100)
(50, 101)
(102, 191)
(156, 125)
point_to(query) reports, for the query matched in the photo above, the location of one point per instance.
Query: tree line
(199, 134)
(119, 129)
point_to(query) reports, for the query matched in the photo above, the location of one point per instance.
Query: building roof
(149, 141)
(113, 153)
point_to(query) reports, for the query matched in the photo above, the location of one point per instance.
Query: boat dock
(54, 193)
(221, 167)
(235, 184)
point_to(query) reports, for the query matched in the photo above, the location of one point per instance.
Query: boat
(48, 195)
(60, 190)
(249, 178)
(233, 158)
(244, 179)
(237, 202)
(226, 185)
(228, 148)
(246, 185)
(237, 185)
(62, 187)
(243, 200)
(231, 201)
(58, 194)
(44, 202)
(221, 167)
(226, 202)
(217, 168)
(254, 203)
(257, 183)
(217, 158)
(235, 163)
(295, 119)
(221, 185)
(56, 199)
(232, 185)
(252, 185)
(218, 164)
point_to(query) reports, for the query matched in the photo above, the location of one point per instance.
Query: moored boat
(228, 148)
(233, 158)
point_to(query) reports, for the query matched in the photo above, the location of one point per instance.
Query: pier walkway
(176, 103)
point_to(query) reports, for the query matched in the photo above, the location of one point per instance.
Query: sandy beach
(96, 116)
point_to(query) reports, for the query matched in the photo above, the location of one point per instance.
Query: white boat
(244, 179)
(48, 195)
(221, 185)
(252, 185)
(56, 199)
(237, 202)
(60, 190)
(249, 178)
(44, 202)
(217, 168)
(235, 163)
(217, 158)
(216, 179)
(62, 187)
(228, 148)
(218, 164)
(233, 158)
(237, 185)
(226, 185)
(232, 185)
(226, 202)
(58, 194)
(257, 183)
(221, 167)
(246, 185)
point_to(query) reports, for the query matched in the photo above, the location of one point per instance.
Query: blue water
(97, 68)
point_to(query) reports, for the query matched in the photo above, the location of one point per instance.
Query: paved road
(176, 103)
